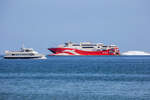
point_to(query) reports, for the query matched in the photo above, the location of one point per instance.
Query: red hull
(72, 51)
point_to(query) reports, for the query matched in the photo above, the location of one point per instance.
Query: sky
(41, 24)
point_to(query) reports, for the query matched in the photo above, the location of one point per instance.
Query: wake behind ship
(85, 48)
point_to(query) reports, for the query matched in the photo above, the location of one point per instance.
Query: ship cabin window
(76, 45)
(28, 50)
(22, 54)
(31, 54)
(104, 50)
(66, 44)
(87, 47)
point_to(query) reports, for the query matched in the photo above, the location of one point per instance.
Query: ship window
(76, 45)
(87, 47)
(104, 46)
(31, 54)
(28, 50)
(104, 50)
(66, 44)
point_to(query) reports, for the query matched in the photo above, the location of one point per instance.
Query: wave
(135, 53)
(41, 58)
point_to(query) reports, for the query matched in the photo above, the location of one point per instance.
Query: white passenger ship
(24, 53)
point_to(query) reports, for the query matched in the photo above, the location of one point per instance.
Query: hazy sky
(46, 23)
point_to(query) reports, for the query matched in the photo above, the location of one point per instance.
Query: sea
(76, 78)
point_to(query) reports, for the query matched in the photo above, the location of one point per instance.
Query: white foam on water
(41, 58)
(135, 53)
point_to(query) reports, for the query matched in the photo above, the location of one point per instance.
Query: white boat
(24, 53)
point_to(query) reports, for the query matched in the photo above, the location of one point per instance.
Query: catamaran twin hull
(71, 51)
(85, 48)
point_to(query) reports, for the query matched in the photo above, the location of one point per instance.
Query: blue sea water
(76, 78)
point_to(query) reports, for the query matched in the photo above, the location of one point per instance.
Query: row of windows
(28, 50)
(93, 47)
(76, 45)
(87, 47)
(84, 45)
(22, 54)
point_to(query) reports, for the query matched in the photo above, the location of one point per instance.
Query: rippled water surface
(76, 78)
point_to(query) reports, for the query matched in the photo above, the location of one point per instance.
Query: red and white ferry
(85, 48)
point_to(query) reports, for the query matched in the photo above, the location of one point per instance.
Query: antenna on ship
(22, 48)
(22, 45)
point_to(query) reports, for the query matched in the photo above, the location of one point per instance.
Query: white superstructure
(88, 46)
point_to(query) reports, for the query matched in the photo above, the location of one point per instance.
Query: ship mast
(22, 48)
(22, 45)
